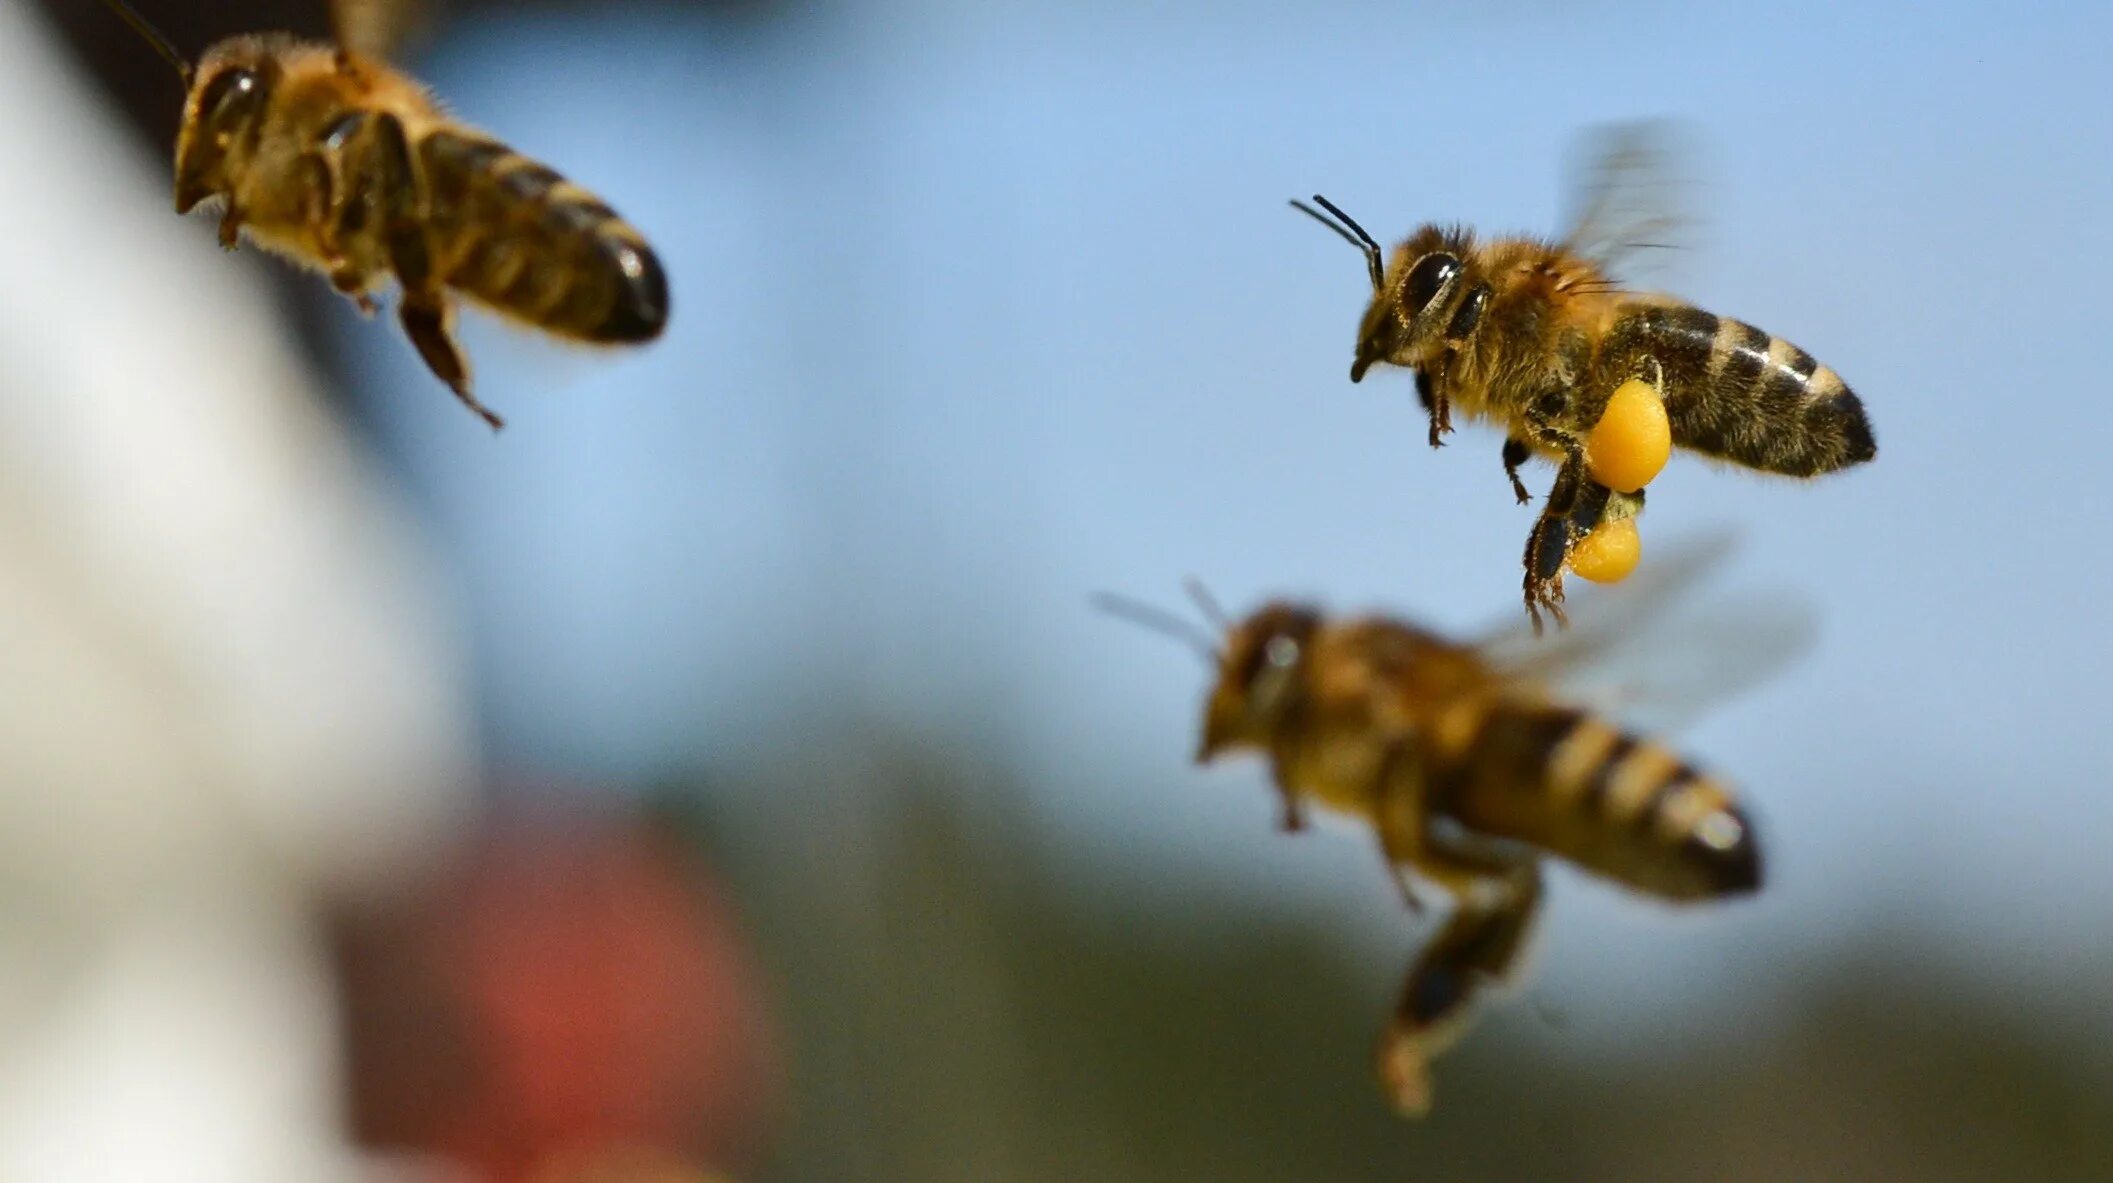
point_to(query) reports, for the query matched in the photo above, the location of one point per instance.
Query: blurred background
(721, 774)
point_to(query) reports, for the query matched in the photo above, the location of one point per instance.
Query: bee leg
(230, 225)
(1478, 947)
(1436, 404)
(425, 312)
(1517, 452)
(353, 286)
(1398, 867)
(1400, 819)
(1293, 818)
(425, 319)
(332, 211)
(1548, 544)
(1575, 505)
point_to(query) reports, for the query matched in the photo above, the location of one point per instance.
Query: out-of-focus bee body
(523, 241)
(1574, 785)
(1471, 771)
(325, 155)
(1536, 336)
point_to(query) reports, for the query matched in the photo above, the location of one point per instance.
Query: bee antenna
(1351, 232)
(1207, 604)
(131, 16)
(1160, 621)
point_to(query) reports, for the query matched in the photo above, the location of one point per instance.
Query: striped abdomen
(1736, 393)
(1626, 808)
(514, 235)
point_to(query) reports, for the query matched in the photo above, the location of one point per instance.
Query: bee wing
(1650, 652)
(1629, 196)
(372, 28)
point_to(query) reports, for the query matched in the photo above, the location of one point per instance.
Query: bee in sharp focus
(1537, 337)
(324, 154)
(1472, 769)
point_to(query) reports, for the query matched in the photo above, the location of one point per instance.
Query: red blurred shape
(569, 995)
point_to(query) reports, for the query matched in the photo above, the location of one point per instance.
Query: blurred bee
(1536, 336)
(1472, 769)
(325, 155)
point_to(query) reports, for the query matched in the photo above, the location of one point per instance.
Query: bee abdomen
(1615, 804)
(515, 235)
(1737, 393)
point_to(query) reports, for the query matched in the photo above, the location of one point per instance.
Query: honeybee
(1473, 768)
(325, 155)
(1536, 336)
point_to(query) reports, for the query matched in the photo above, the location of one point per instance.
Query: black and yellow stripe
(1624, 807)
(1737, 393)
(516, 235)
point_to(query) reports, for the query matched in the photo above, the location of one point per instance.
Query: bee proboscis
(324, 154)
(1473, 770)
(1536, 336)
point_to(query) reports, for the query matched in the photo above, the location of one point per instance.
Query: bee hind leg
(1478, 948)
(426, 314)
(1546, 547)
(1575, 504)
(425, 320)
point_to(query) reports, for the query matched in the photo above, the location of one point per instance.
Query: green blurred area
(952, 1013)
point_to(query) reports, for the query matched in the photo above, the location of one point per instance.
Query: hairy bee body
(1550, 340)
(1536, 337)
(344, 165)
(1470, 775)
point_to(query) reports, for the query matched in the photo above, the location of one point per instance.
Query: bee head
(1258, 678)
(222, 116)
(1429, 299)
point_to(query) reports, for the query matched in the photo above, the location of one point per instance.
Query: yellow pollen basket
(1626, 450)
(1608, 554)
(1630, 443)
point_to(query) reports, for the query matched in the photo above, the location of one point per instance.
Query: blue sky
(981, 308)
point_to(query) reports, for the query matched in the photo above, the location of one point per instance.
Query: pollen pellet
(1608, 554)
(1632, 439)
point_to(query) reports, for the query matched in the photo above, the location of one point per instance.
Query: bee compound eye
(1426, 279)
(229, 91)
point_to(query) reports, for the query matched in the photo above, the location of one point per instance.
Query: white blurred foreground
(224, 686)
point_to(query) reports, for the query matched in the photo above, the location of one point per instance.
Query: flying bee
(1536, 337)
(325, 155)
(1473, 768)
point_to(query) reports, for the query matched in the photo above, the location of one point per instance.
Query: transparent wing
(372, 28)
(1651, 652)
(1631, 196)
